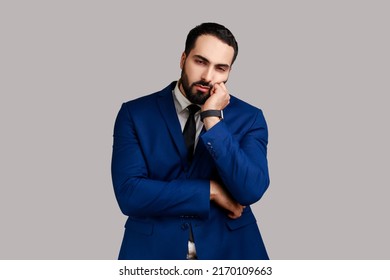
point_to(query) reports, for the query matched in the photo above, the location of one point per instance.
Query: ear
(182, 60)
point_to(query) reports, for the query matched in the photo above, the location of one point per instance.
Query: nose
(207, 74)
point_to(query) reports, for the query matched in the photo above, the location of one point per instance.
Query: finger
(217, 87)
(234, 216)
(223, 87)
(237, 211)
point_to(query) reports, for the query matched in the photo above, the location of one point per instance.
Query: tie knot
(193, 109)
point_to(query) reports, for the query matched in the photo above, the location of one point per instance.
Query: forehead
(212, 48)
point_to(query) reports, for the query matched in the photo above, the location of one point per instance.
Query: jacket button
(184, 226)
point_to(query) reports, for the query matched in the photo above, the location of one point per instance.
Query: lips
(202, 88)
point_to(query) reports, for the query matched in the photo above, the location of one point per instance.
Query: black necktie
(189, 131)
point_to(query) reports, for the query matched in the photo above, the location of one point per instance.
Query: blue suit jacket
(162, 195)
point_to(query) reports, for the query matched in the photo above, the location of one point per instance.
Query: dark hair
(214, 29)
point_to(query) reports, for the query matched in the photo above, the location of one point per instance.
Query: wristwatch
(211, 113)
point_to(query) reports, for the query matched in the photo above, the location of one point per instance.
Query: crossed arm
(218, 100)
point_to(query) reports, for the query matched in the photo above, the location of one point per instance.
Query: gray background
(318, 69)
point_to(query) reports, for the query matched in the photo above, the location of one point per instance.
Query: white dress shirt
(181, 104)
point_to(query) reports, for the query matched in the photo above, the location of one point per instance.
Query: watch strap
(211, 113)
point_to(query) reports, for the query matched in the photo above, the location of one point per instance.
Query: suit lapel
(168, 113)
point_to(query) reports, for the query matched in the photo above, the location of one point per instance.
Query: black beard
(195, 97)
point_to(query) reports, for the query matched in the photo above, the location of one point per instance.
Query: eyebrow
(205, 59)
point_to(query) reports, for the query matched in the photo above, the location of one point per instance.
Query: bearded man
(189, 160)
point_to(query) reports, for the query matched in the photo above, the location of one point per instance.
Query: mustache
(203, 83)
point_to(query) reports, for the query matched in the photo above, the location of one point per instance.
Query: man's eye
(199, 61)
(221, 69)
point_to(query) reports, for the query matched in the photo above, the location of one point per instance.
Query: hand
(219, 98)
(219, 195)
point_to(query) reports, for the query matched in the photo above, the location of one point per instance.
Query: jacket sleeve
(242, 164)
(139, 195)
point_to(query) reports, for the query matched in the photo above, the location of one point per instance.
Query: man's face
(208, 63)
